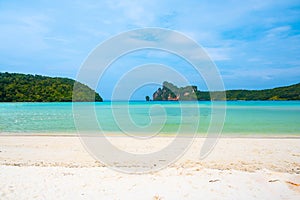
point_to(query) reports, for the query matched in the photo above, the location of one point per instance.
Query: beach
(59, 167)
(149, 100)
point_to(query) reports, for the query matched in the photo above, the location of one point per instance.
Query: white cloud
(238, 34)
(278, 31)
(134, 12)
(218, 54)
(264, 73)
(24, 34)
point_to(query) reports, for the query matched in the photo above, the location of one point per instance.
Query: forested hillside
(171, 92)
(35, 88)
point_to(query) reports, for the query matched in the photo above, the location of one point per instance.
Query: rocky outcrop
(170, 92)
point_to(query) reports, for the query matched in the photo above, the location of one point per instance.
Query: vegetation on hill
(35, 88)
(171, 92)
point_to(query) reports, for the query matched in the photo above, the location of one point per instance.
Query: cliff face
(170, 92)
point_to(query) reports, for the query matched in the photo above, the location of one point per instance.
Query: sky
(254, 44)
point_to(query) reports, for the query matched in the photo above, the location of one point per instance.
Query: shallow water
(242, 117)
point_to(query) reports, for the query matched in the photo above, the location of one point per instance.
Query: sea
(248, 118)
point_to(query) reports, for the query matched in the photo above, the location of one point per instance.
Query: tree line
(171, 92)
(16, 87)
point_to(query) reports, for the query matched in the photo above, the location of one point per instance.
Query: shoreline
(163, 135)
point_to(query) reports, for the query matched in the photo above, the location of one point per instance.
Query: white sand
(48, 167)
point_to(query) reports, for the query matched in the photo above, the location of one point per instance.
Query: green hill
(35, 88)
(171, 92)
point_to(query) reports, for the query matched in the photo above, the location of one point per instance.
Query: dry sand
(59, 167)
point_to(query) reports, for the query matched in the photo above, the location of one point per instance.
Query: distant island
(16, 87)
(170, 92)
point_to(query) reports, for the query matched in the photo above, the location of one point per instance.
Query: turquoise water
(242, 117)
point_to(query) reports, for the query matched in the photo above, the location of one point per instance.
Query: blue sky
(255, 44)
